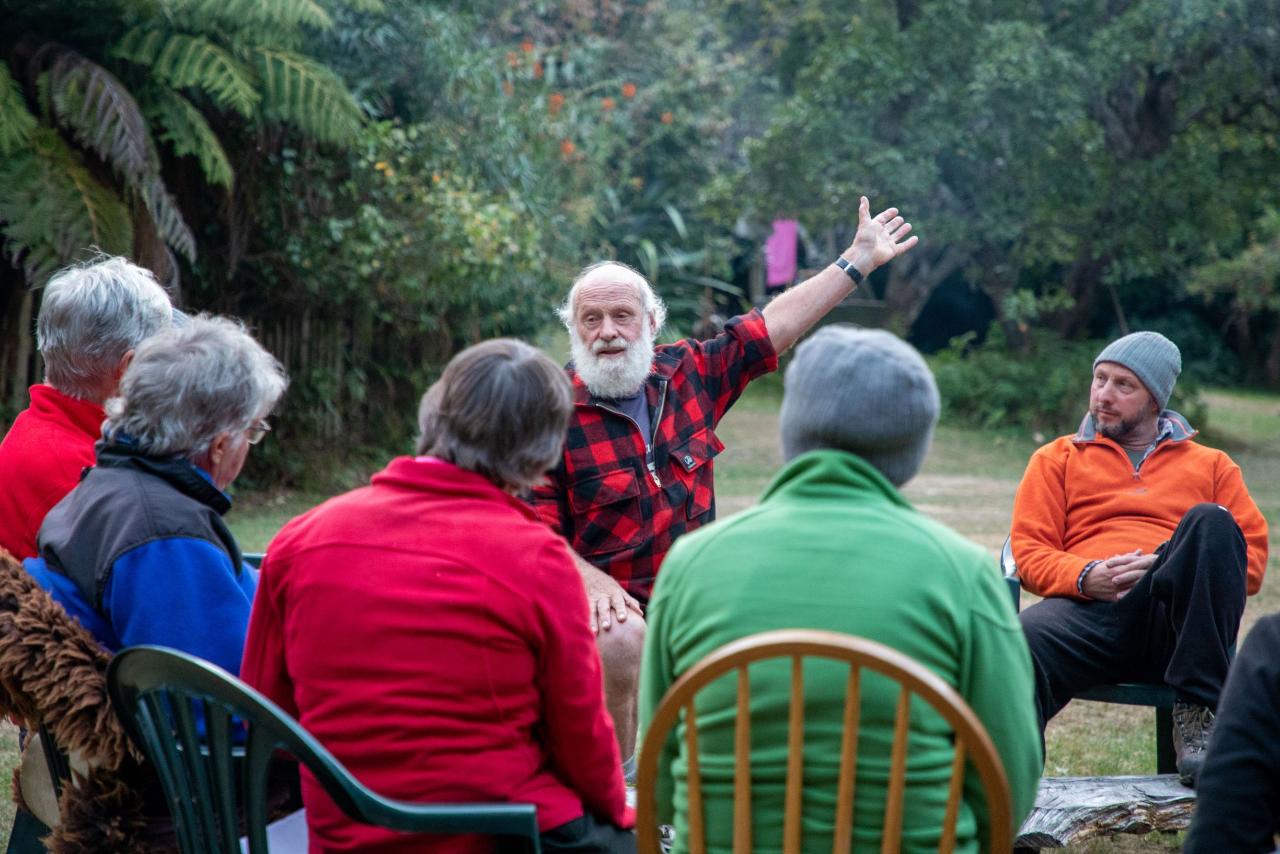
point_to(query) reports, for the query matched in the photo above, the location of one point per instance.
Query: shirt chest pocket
(692, 463)
(606, 512)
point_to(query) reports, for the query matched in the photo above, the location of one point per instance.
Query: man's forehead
(609, 284)
(1115, 369)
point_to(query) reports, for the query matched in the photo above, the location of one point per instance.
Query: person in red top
(637, 469)
(428, 627)
(91, 318)
(1144, 544)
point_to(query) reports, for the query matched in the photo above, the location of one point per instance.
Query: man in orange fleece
(1143, 544)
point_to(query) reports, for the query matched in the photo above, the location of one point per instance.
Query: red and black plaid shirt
(615, 510)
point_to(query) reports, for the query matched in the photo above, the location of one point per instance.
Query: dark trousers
(1176, 625)
(587, 835)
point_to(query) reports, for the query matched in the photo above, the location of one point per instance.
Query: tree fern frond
(170, 224)
(193, 62)
(188, 133)
(302, 91)
(16, 121)
(101, 112)
(105, 118)
(211, 16)
(52, 209)
(357, 5)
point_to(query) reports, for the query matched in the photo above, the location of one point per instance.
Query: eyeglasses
(257, 431)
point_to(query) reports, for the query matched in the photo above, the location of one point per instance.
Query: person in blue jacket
(138, 552)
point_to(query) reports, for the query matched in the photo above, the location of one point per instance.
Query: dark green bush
(1043, 387)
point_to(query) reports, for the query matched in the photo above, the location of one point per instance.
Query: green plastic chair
(187, 715)
(1156, 695)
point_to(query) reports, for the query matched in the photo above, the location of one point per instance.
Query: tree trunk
(1082, 281)
(22, 374)
(912, 280)
(1272, 366)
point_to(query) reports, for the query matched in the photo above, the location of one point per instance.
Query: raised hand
(880, 238)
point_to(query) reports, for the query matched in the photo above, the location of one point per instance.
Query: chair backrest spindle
(972, 744)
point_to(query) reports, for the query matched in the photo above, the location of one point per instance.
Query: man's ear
(218, 448)
(653, 324)
(123, 364)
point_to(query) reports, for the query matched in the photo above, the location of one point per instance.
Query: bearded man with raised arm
(638, 459)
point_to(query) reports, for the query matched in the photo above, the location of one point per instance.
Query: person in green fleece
(833, 545)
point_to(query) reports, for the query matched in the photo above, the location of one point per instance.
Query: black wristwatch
(849, 270)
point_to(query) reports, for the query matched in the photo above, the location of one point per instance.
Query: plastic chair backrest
(185, 714)
(972, 744)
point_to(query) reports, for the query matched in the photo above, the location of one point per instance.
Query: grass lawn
(968, 483)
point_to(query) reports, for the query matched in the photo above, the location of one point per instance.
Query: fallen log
(1070, 810)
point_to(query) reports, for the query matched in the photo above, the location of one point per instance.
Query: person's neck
(1141, 436)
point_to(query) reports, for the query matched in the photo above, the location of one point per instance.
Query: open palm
(882, 237)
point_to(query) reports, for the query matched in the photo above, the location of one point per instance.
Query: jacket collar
(833, 473)
(174, 469)
(441, 476)
(1170, 425)
(84, 416)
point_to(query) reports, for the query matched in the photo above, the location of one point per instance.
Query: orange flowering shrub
(555, 102)
(667, 118)
(607, 104)
(628, 90)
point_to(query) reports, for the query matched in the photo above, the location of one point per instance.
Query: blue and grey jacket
(139, 553)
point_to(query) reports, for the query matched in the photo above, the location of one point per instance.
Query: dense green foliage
(374, 184)
(94, 97)
(1043, 388)
(1096, 151)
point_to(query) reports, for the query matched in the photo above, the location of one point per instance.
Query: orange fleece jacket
(1081, 500)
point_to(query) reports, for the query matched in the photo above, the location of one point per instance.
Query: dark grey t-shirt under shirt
(636, 408)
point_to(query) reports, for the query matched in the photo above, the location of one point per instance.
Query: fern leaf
(169, 221)
(193, 62)
(105, 118)
(52, 209)
(300, 90)
(185, 129)
(212, 15)
(356, 5)
(101, 112)
(16, 121)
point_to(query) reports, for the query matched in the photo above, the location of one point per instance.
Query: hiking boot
(1192, 725)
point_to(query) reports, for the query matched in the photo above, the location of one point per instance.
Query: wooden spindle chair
(972, 744)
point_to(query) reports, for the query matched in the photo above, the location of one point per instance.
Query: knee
(621, 648)
(1210, 517)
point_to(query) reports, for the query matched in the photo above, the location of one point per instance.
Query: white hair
(649, 300)
(188, 384)
(90, 316)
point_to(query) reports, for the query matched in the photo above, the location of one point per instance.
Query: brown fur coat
(53, 672)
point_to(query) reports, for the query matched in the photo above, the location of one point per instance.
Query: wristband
(849, 270)
(1088, 567)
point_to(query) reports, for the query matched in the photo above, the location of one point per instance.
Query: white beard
(613, 377)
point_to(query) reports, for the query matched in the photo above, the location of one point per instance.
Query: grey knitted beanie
(1154, 358)
(865, 391)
